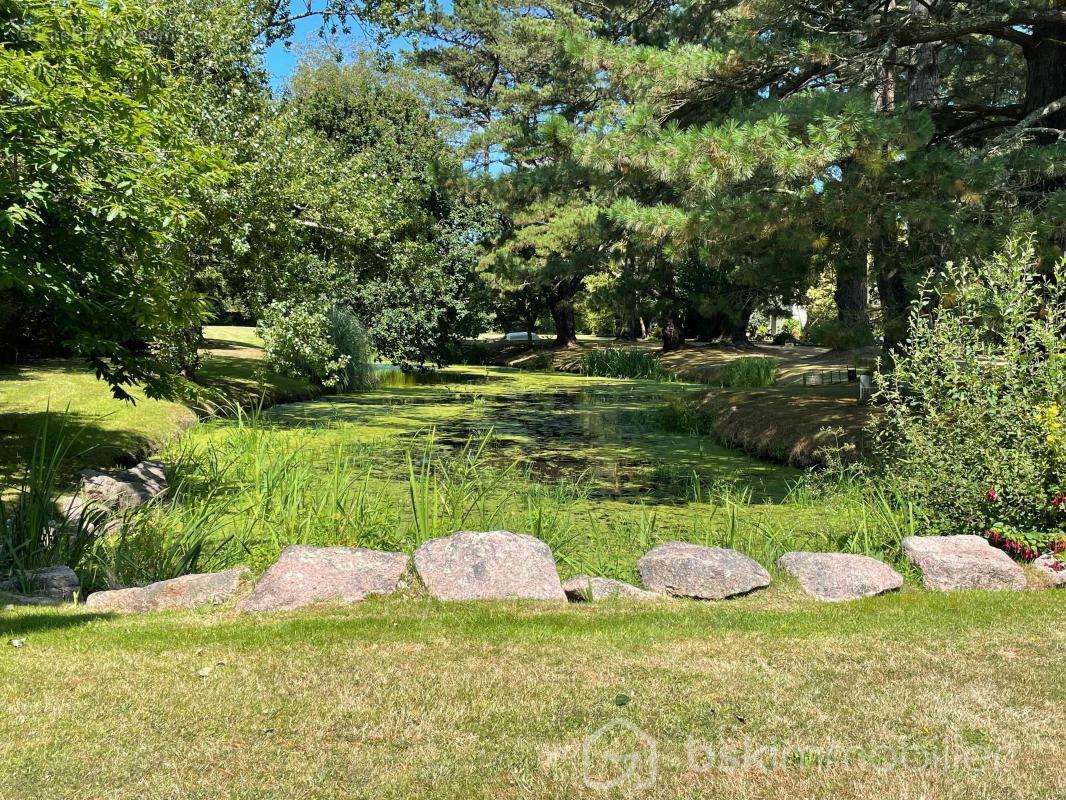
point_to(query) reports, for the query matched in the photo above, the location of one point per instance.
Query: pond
(624, 438)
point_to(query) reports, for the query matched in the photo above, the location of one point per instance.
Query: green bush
(683, 414)
(837, 335)
(972, 426)
(749, 372)
(618, 362)
(325, 345)
(790, 332)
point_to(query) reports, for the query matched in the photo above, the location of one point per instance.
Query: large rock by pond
(124, 489)
(305, 575)
(962, 562)
(488, 565)
(588, 588)
(705, 573)
(191, 591)
(1052, 570)
(840, 576)
(175, 594)
(52, 583)
(125, 601)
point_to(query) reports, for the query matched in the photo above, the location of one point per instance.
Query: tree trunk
(850, 294)
(895, 310)
(673, 330)
(673, 335)
(560, 299)
(923, 76)
(1046, 74)
(738, 334)
(531, 323)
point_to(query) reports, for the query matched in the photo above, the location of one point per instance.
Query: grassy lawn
(695, 361)
(110, 429)
(915, 695)
(107, 428)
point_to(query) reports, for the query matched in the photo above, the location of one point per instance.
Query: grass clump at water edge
(617, 362)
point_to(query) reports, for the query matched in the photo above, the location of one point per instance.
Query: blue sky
(281, 61)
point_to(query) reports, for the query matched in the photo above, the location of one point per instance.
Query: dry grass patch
(790, 424)
(913, 695)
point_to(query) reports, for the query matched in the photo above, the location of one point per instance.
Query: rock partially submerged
(488, 565)
(840, 576)
(184, 592)
(949, 563)
(706, 573)
(303, 576)
(587, 588)
(52, 583)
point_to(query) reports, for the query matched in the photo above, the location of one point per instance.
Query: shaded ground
(111, 430)
(769, 696)
(697, 361)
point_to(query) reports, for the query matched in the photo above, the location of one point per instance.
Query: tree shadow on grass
(92, 443)
(14, 625)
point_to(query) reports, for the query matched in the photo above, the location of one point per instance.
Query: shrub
(969, 425)
(837, 335)
(790, 332)
(619, 362)
(749, 372)
(327, 346)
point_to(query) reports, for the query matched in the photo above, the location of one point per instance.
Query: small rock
(1053, 570)
(488, 565)
(962, 562)
(152, 474)
(305, 575)
(191, 591)
(124, 489)
(587, 588)
(57, 583)
(125, 601)
(706, 573)
(840, 576)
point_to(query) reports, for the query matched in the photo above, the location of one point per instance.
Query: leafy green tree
(100, 185)
(343, 190)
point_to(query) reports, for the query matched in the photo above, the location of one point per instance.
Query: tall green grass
(32, 533)
(618, 362)
(748, 372)
(252, 490)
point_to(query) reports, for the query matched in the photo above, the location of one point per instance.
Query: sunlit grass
(913, 695)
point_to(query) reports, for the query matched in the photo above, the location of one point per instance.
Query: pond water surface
(618, 436)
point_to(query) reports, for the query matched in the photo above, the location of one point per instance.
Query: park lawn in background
(909, 695)
(111, 429)
(66, 393)
(697, 361)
